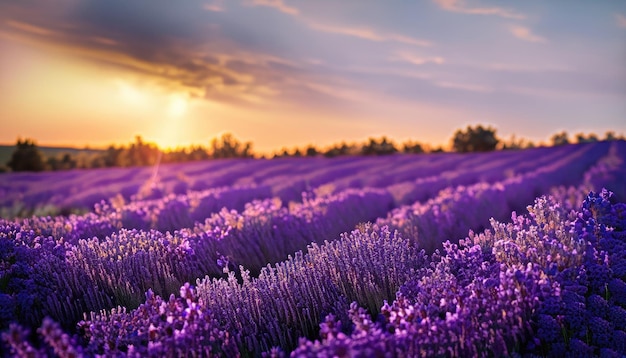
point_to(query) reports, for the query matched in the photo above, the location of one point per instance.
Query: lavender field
(507, 253)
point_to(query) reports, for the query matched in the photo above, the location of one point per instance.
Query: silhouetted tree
(283, 153)
(198, 153)
(475, 139)
(229, 147)
(26, 157)
(581, 138)
(378, 147)
(560, 138)
(112, 157)
(311, 151)
(514, 143)
(338, 150)
(65, 162)
(412, 147)
(141, 153)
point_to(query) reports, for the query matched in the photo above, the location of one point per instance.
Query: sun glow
(177, 106)
(130, 93)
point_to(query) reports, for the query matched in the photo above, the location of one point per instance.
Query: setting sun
(177, 106)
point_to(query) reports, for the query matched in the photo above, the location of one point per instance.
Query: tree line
(28, 157)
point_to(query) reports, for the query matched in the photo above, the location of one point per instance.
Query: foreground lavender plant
(290, 299)
(536, 286)
(591, 312)
(181, 326)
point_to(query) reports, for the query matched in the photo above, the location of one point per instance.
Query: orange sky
(282, 74)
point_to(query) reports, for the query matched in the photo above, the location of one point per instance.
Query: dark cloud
(184, 45)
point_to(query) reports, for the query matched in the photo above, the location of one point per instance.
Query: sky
(285, 73)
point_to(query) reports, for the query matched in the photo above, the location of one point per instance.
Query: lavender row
(476, 167)
(174, 212)
(84, 188)
(485, 171)
(609, 172)
(167, 214)
(449, 215)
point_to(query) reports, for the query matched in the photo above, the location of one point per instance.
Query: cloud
(215, 6)
(460, 7)
(226, 73)
(417, 60)
(368, 34)
(277, 4)
(524, 33)
(29, 28)
(620, 20)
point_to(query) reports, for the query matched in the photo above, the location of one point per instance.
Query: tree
(412, 147)
(580, 138)
(338, 150)
(610, 135)
(26, 157)
(311, 151)
(141, 153)
(63, 162)
(229, 147)
(560, 138)
(381, 147)
(475, 139)
(515, 143)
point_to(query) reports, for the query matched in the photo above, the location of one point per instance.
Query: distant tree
(229, 147)
(141, 153)
(197, 153)
(338, 150)
(378, 147)
(65, 162)
(561, 138)
(27, 157)
(311, 151)
(610, 135)
(581, 138)
(282, 153)
(412, 147)
(113, 157)
(515, 143)
(475, 139)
